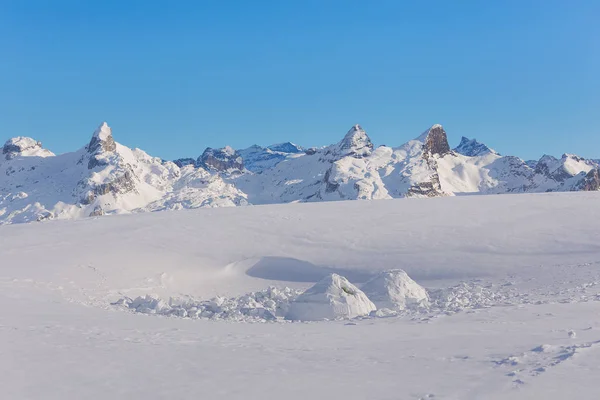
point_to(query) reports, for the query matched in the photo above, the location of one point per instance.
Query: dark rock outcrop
(591, 182)
(102, 140)
(183, 162)
(125, 183)
(223, 159)
(101, 143)
(436, 142)
(15, 146)
(555, 169)
(287, 147)
(472, 148)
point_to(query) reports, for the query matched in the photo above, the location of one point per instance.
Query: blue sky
(172, 77)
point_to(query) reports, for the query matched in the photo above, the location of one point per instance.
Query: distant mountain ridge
(105, 177)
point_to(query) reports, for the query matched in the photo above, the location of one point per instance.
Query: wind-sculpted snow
(331, 298)
(395, 290)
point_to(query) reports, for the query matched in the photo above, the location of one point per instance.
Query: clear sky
(173, 77)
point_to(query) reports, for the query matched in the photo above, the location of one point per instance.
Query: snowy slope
(513, 283)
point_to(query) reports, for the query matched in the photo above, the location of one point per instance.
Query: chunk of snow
(333, 297)
(395, 290)
(265, 305)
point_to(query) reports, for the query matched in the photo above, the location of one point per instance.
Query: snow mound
(265, 305)
(333, 297)
(395, 290)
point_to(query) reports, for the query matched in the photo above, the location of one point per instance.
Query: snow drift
(333, 297)
(395, 290)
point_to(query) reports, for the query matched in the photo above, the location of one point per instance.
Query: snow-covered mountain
(105, 177)
(473, 148)
(257, 158)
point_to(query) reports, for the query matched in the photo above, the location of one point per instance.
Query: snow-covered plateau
(455, 297)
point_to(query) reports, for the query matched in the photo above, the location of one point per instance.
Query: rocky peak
(531, 163)
(574, 157)
(102, 140)
(436, 141)
(24, 146)
(223, 159)
(356, 143)
(473, 148)
(287, 147)
(183, 162)
(591, 181)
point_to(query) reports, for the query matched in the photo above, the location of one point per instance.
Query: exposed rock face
(531, 164)
(551, 168)
(436, 142)
(222, 160)
(473, 148)
(566, 167)
(182, 162)
(101, 143)
(102, 140)
(97, 212)
(122, 184)
(591, 182)
(430, 188)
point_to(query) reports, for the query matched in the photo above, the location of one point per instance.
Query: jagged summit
(473, 148)
(24, 147)
(103, 131)
(102, 140)
(287, 147)
(436, 142)
(223, 159)
(105, 177)
(356, 143)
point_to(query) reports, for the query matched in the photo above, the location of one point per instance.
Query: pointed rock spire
(356, 143)
(436, 141)
(473, 148)
(102, 140)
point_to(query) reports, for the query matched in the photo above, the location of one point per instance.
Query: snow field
(513, 286)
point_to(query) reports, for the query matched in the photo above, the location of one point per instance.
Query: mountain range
(105, 177)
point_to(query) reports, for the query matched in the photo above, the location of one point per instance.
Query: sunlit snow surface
(512, 310)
